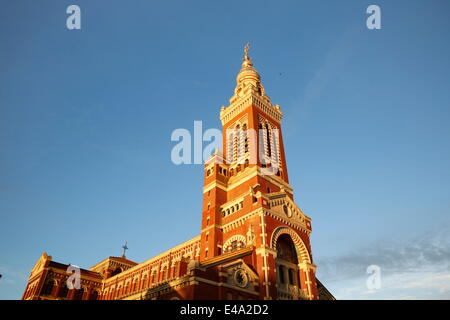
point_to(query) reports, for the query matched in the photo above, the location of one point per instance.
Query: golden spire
(248, 79)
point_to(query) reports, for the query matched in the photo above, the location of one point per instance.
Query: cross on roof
(125, 248)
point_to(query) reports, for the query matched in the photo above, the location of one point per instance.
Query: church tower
(254, 241)
(247, 199)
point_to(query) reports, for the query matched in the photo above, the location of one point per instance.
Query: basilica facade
(254, 242)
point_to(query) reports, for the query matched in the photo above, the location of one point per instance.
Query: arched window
(244, 129)
(237, 142)
(286, 249)
(78, 294)
(262, 139)
(94, 295)
(230, 148)
(166, 273)
(138, 284)
(144, 281)
(64, 291)
(269, 149)
(287, 267)
(291, 276)
(48, 287)
(116, 271)
(152, 278)
(281, 273)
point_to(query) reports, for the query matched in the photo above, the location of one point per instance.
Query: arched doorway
(287, 268)
(292, 255)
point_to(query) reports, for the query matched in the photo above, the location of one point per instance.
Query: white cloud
(417, 268)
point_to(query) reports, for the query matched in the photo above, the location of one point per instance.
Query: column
(308, 279)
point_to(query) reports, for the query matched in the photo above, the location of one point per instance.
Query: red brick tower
(247, 199)
(254, 240)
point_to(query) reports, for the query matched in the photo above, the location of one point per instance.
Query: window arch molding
(300, 247)
(238, 238)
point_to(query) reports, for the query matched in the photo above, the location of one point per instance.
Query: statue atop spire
(247, 62)
(246, 50)
(247, 77)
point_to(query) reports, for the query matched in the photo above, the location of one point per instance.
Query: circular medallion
(241, 278)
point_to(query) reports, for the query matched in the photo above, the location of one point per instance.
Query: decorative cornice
(245, 175)
(250, 99)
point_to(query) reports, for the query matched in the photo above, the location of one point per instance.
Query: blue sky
(86, 118)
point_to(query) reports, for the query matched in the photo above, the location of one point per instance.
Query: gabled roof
(118, 259)
(324, 294)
